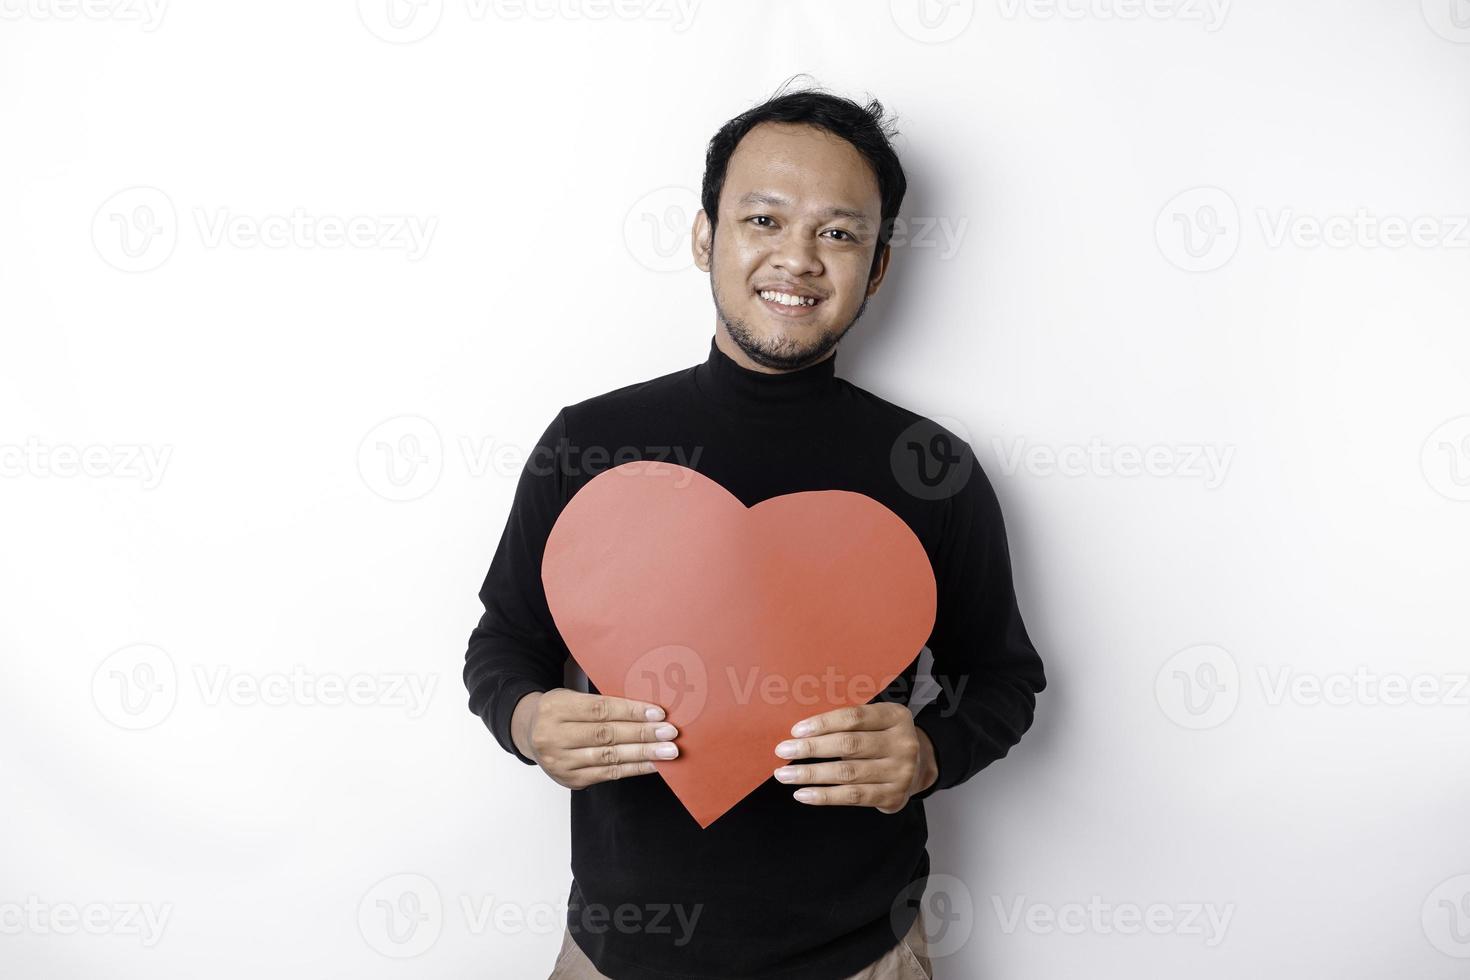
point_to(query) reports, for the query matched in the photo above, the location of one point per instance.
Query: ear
(877, 277)
(701, 240)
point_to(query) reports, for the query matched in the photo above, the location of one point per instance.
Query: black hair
(863, 126)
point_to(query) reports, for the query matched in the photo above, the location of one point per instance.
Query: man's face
(799, 216)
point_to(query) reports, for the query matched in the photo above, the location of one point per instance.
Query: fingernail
(805, 795)
(665, 731)
(802, 728)
(786, 773)
(654, 714)
(786, 750)
(666, 751)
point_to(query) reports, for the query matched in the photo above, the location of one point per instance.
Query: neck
(757, 392)
(736, 353)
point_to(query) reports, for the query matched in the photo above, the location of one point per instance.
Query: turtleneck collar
(748, 391)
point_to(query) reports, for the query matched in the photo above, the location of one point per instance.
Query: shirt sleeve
(516, 648)
(988, 671)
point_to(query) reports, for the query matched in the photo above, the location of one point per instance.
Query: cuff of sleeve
(945, 751)
(501, 708)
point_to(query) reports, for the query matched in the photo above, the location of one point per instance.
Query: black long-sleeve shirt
(774, 889)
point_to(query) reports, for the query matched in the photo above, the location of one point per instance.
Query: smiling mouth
(787, 304)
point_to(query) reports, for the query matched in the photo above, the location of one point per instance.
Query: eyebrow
(777, 201)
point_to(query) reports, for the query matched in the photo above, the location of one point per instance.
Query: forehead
(810, 167)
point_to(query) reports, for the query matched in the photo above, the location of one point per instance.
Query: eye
(849, 237)
(759, 217)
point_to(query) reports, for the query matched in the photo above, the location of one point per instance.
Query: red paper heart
(738, 621)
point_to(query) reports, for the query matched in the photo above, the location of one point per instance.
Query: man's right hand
(581, 739)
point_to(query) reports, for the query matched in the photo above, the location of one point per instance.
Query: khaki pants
(909, 960)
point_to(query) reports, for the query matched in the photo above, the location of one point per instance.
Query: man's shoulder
(902, 421)
(636, 398)
(931, 456)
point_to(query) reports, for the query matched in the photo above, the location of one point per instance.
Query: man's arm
(516, 649)
(988, 671)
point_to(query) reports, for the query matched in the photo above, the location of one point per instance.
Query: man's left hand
(883, 758)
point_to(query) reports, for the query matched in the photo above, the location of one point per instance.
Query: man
(815, 875)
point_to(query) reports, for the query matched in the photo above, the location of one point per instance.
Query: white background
(335, 429)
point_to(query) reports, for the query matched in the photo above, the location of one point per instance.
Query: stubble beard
(782, 354)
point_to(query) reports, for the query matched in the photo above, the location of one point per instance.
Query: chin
(789, 347)
(779, 345)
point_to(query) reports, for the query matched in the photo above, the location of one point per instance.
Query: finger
(605, 707)
(853, 718)
(850, 794)
(620, 770)
(838, 745)
(834, 773)
(602, 756)
(582, 734)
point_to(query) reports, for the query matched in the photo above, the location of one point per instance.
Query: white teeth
(786, 299)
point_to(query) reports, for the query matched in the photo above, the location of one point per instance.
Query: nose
(796, 255)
